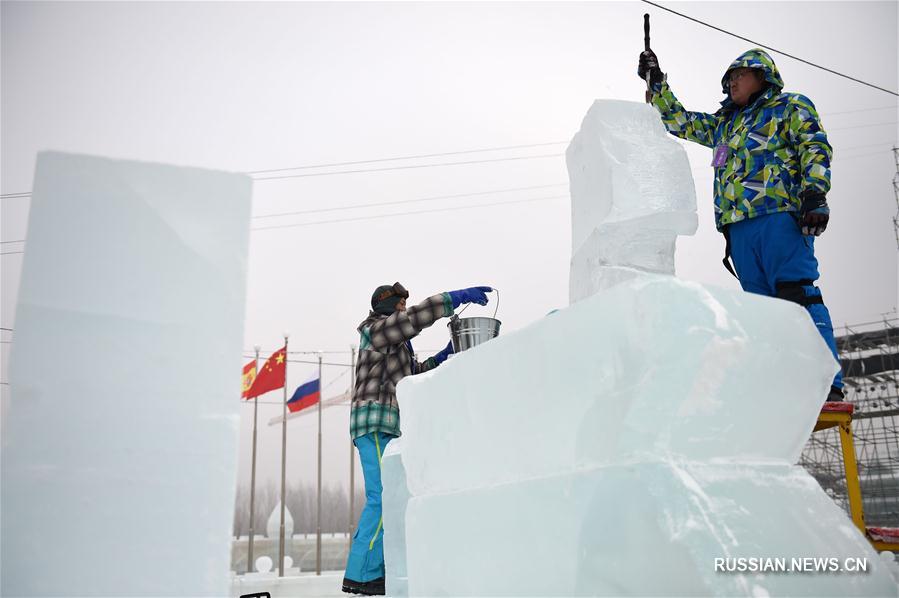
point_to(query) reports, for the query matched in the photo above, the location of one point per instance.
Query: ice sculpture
(632, 193)
(622, 445)
(273, 525)
(120, 440)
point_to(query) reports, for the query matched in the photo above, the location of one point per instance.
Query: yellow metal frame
(843, 420)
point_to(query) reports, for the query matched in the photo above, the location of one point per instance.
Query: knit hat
(385, 298)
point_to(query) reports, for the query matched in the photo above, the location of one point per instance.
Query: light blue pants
(366, 561)
(769, 251)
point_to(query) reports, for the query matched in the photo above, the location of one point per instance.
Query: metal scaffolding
(869, 354)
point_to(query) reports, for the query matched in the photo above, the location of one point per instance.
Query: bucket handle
(495, 311)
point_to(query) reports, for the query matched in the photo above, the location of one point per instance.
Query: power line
(770, 48)
(19, 241)
(371, 161)
(299, 176)
(379, 216)
(863, 126)
(880, 153)
(893, 107)
(393, 203)
(345, 365)
(404, 201)
(855, 147)
(11, 252)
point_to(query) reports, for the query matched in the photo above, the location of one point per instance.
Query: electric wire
(770, 48)
(28, 193)
(381, 216)
(863, 126)
(405, 201)
(893, 107)
(434, 155)
(408, 167)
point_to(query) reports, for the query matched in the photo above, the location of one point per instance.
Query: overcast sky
(248, 87)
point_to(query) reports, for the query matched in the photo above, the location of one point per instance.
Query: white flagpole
(318, 510)
(283, 462)
(250, 564)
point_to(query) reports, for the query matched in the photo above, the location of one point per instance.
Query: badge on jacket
(720, 157)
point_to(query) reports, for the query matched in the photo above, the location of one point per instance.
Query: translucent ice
(646, 529)
(650, 427)
(120, 438)
(654, 366)
(395, 498)
(632, 193)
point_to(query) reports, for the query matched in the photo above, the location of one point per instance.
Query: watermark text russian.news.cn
(790, 565)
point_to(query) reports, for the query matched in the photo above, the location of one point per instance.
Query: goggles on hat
(396, 289)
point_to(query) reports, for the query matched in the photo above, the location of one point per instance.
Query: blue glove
(441, 357)
(813, 213)
(471, 295)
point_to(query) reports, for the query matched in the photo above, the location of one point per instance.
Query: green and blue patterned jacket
(776, 147)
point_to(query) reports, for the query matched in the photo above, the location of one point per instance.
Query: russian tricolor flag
(306, 395)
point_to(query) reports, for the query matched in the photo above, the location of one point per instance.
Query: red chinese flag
(249, 375)
(272, 374)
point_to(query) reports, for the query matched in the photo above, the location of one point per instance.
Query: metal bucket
(471, 332)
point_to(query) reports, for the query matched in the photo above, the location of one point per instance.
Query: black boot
(375, 587)
(835, 395)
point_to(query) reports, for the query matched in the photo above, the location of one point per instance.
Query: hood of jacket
(373, 317)
(754, 59)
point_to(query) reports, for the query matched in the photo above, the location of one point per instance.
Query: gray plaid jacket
(385, 358)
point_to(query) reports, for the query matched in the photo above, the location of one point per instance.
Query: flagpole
(318, 510)
(352, 448)
(250, 565)
(283, 462)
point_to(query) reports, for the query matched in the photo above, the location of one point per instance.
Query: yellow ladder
(840, 415)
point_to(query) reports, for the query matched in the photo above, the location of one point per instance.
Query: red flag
(249, 375)
(272, 374)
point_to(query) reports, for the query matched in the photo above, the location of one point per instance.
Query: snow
(121, 436)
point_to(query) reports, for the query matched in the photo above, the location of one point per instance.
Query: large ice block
(655, 366)
(395, 497)
(632, 193)
(645, 529)
(120, 441)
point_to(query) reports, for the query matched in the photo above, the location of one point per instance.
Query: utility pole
(896, 194)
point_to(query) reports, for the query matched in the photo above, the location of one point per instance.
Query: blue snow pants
(772, 257)
(366, 560)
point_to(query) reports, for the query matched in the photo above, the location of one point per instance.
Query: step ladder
(840, 415)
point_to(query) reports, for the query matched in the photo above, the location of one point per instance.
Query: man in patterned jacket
(772, 171)
(385, 358)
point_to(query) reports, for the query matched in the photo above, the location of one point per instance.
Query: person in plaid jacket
(771, 161)
(386, 357)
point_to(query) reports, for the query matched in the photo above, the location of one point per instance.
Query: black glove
(813, 212)
(649, 63)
